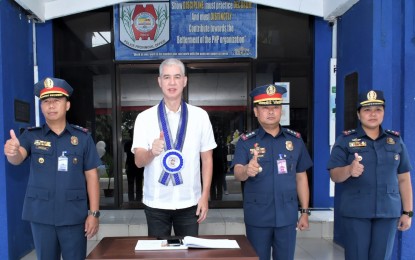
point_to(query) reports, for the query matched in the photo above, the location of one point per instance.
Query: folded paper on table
(187, 242)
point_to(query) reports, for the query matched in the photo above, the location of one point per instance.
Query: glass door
(139, 90)
(222, 90)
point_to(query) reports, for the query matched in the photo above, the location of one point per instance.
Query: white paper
(209, 243)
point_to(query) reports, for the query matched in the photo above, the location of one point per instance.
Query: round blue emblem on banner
(172, 161)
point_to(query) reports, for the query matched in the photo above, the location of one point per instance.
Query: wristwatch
(308, 211)
(94, 213)
(408, 213)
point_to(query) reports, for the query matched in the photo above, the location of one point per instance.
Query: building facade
(374, 49)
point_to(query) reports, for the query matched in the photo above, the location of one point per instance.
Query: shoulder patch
(80, 128)
(247, 136)
(292, 132)
(395, 133)
(30, 128)
(349, 132)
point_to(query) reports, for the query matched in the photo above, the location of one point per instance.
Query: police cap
(267, 95)
(371, 98)
(52, 87)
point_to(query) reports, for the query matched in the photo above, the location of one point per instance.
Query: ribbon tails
(172, 160)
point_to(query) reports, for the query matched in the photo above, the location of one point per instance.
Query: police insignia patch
(261, 150)
(289, 145)
(349, 132)
(294, 133)
(30, 128)
(74, 140)
(357, 143)
(42, 145)
(390, 140)
(85, 130)
(396, 133)
(248, 135)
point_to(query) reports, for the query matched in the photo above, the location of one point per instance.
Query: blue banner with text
(148, 30)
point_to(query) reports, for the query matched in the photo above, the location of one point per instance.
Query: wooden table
(123, 248)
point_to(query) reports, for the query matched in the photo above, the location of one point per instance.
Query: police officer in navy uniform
(272, 161)
(63, 177)
(373, 166)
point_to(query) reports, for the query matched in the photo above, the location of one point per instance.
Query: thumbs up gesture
(356, 168)
(11, 147)
(158, 145)
(253, 166)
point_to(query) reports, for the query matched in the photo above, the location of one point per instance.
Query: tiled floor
(313, 244)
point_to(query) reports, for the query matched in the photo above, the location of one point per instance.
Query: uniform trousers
(160, 222)
(281, 240)
(369, 238)
(52, 241)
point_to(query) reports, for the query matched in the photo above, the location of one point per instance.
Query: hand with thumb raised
(158, 145)
(253, 166)
(356, 168)
(11, 147)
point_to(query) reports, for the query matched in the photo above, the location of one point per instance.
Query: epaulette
(80, 128)
(395, 133)
(247, 136)
(349, 132)
(292, 132)
(31, 128)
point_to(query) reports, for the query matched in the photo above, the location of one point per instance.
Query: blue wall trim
(16, 78)
(321, 150)
(407, 108)
(45, 58)
(384, 58)
(354, 55)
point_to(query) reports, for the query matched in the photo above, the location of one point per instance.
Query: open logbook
(185, 243)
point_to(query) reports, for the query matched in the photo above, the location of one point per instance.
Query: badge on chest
(282, 164)
(261, 150)
(63, 162)
(357, 143)
(42, 145)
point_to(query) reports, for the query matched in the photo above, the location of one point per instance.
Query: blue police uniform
(270, 198)
(370, 203)
(56, 197)
(375, 193)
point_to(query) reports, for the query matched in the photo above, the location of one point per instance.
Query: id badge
(63, 163)
(282, 166)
